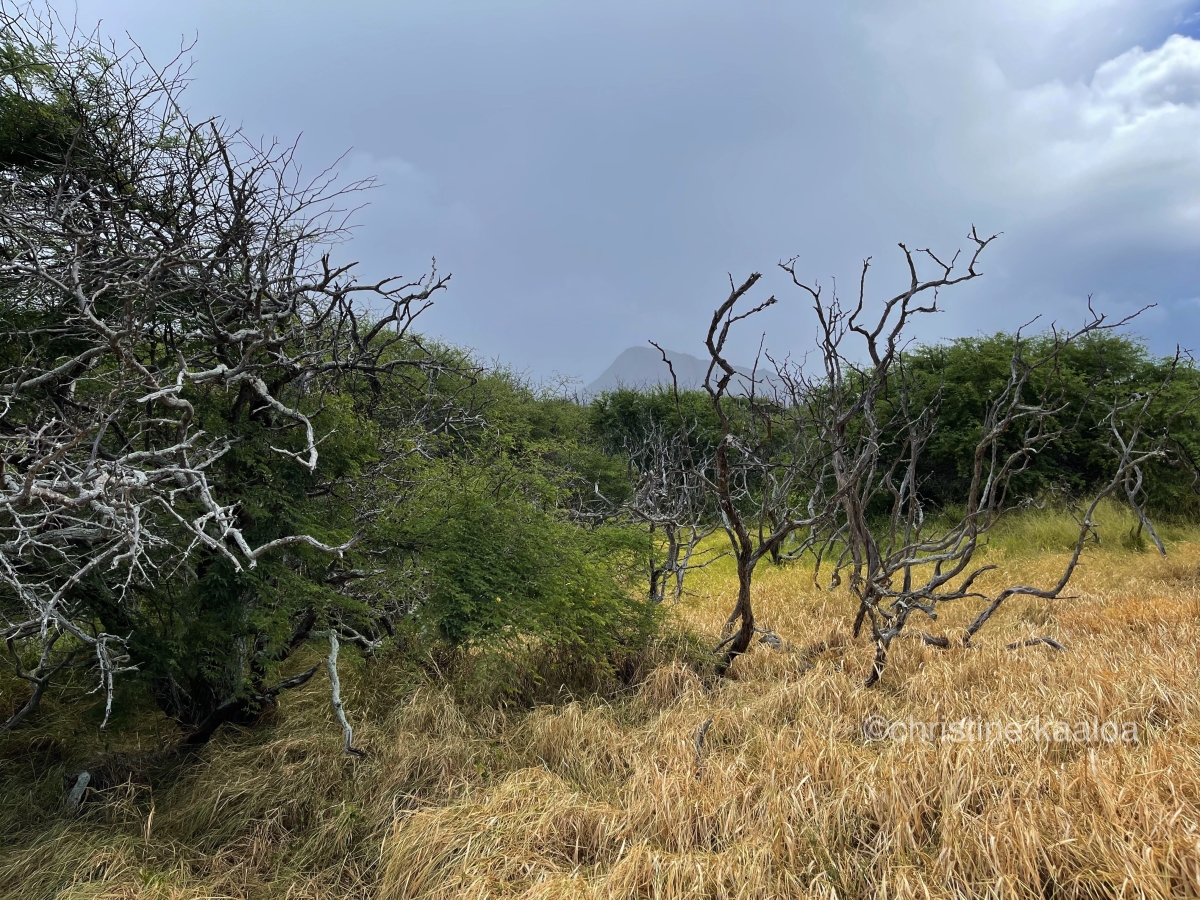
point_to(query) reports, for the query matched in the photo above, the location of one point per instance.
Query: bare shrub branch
(153, 268)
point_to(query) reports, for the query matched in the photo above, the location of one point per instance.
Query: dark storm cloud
(590, 171)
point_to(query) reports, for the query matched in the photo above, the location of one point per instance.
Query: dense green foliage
(460, 493)
(962, 376)
(34, 131)
(959, 379)
(489, 545)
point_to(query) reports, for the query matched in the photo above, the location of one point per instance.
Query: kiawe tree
(180, 354)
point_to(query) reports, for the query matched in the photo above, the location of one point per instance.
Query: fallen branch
(1033, 642)
(336, 689)
(75, 796)
(701, 733)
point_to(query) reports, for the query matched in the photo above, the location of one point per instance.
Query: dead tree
(1133, 448)
(1129, 441)
(153, 269)
(873, 426)
(671, 498)
(766, 479)
(830, 456)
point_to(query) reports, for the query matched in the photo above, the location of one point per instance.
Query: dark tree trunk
(743, 613)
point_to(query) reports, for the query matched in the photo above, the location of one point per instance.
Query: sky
(592, 173)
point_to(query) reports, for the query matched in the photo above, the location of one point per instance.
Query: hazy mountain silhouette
(643, 367)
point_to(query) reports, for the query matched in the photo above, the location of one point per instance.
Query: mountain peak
(643, 367)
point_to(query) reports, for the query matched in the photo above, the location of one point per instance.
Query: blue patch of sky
(1188, 22)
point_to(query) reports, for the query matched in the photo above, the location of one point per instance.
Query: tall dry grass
(785, 798)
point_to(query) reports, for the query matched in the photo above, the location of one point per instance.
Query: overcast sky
(590, 171)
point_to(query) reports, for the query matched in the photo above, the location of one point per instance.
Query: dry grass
(786, 799)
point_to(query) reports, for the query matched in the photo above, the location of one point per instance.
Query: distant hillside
(643, 367)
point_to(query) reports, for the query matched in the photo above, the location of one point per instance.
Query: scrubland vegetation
(608, 797)
(299, 602)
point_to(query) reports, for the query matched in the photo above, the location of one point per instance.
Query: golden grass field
(787, 798)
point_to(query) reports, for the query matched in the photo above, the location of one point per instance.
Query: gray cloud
(591, 172)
